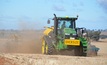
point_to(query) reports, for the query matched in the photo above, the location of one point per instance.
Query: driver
(71, 26)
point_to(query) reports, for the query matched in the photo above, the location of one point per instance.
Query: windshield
(64, 24)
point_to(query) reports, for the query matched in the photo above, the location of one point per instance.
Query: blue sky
(33, 14)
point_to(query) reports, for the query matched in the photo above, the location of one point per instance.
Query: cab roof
(67, 18)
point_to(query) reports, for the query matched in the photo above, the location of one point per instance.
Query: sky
(33, 14)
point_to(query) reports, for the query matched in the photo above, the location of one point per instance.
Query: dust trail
(26, 41)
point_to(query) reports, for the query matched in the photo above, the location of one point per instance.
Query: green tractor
(65, 38)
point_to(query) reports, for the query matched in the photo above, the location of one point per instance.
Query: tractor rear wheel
(47, 48)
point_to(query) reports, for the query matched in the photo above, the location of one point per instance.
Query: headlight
(72, 38)
(67, 34)
(74, 34)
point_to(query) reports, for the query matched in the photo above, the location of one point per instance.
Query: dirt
(102, 44)
(38, 59)
(24, 48)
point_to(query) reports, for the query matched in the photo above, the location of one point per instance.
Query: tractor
(64, 37)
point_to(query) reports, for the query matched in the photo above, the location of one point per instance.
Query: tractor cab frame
(61, 20)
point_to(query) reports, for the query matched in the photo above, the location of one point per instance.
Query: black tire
(47, 48)
(50, 49)
(48, 45)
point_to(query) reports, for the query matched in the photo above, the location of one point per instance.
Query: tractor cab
(66, 22)
(64, 27)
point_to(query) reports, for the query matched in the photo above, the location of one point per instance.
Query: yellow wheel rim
(46, 48)
(43, 47)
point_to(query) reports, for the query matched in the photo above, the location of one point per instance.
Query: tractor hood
(69, 31)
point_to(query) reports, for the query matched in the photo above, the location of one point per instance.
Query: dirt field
(24, 48)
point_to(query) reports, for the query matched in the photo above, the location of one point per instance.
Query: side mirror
(48, 22)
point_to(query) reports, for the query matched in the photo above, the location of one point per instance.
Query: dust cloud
(24, 41)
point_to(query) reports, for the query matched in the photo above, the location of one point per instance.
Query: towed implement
(65, 38)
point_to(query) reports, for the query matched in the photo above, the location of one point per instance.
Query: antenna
(55, 15)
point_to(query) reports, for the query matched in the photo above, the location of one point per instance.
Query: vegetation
(94, 34)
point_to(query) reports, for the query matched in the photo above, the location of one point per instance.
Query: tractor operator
(71, 26)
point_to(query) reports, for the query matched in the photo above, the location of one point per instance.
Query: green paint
(61, 45)
(69, 31)
(83, 41)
